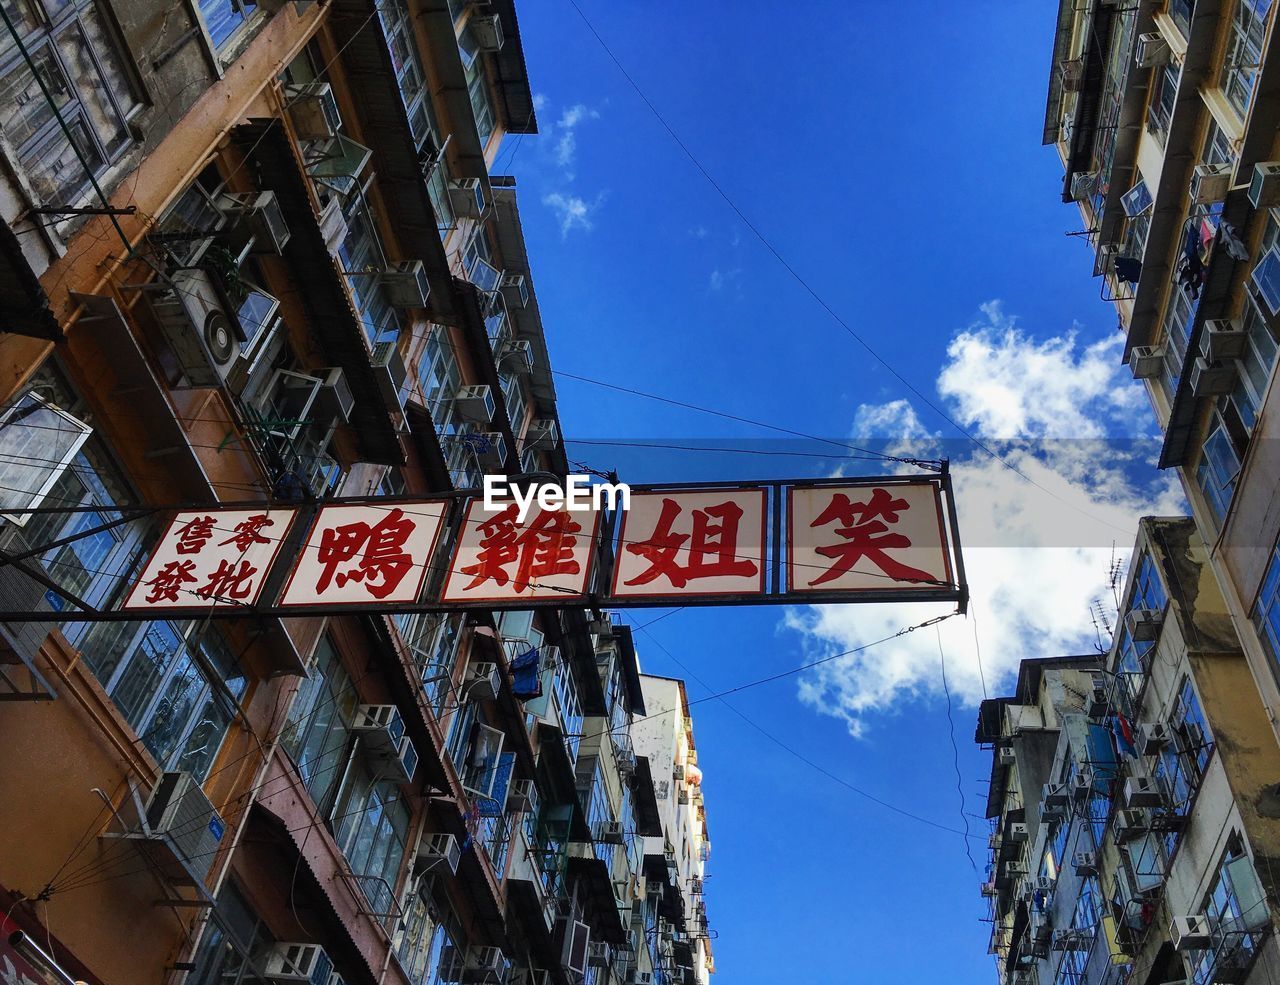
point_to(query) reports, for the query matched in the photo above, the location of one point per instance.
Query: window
(1084, 926)
(1177, 318)
(1184, 759)
(477, 86)
(76, 56)
(1160, 111)
(1218, 468)
(318, 728)
(371, 828)
(1137, 209)
(1256, 364)
(363, 261)
(38, 442)
(1266, 611)
(432, 639)
(1181, 11)
(233, 938)
(224, 18)
(1132, 655)
(514, 399)
(564, 691)
(439, 378)
(1237, 912)
(1244, 52)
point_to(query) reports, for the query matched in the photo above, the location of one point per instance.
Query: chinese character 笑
(381, 564)
(169, 580)
(229, 582)
(712, 549)
(544, 548)
(864, 527)
(194, 534)
(249, 532)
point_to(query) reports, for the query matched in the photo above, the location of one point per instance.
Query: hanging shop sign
(838, 540)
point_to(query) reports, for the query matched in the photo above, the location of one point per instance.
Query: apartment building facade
(253, 252)
(1165, 115)
(1132, 797)
(676, 856)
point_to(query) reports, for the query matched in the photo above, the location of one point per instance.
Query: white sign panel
(219, 558)
(499, 558)
(692, 542)
(864, 538)
(360, 554)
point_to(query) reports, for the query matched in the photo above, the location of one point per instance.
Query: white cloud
(717, 280)
(1037, 552)
(720, 278)
(573, 211)
(566, 147)
(1010, 385)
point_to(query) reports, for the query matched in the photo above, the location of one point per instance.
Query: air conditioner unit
(989, 889)
(1146, 361)
(1042, 884)
(1072, 74)
(336, 979)
(1210, 183)
(626, 760)
(1053, 812)
(1222, 339)
(610, 833)
(520, 795)
(484, 681)
(1191, 933)
(1131, 821)
(400, 767)
(1143, 624)
(1082, 786)
(333, 225)
(1085, 863)
(474, 404)
(380, 729)
(1052, 795)
(262, 216)
(1212, 379)
(1152, 50)
(487, 30)
(489, 449)
(313, 110)
(1006, 756)
(1099, 704)
(438, 850)
(598, 955)
(1142, 791)
(288, 963)
(1104, 261)
(406, 284)
(181, 816)
(515, 290)
(1014, 869)
(514, 356)
(1264, 186)
(485, 965)
(1084, 184)
(1018, 832)
(334, 398)
(543, 434)
(204, 336)
(466, 196)
(391, 374)
(1152, 737)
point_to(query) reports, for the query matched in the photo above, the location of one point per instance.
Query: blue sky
(892, 154)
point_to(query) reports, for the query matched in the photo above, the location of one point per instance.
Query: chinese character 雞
(544, 548)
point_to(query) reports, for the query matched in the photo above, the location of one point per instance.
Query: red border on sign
(422, 580)
(892, 584)
(761, 491)
(266, 568)
(457, 548)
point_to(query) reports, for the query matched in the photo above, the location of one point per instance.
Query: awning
(330, 316)
(630, 667)
(524, 901)
(596, 889)
(22, 299)
(648, 818)
(512, 74)
(384, 127)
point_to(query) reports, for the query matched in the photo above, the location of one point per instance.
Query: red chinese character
(194, 534)
(712, 551)
(378, 548)
(169, 580)
(544, 548)
(228, 582)
(865, 531)
(248, 532)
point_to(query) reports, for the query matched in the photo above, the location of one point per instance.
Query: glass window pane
(54, 169)
(27, 111)
(36, 442)
(91, 85)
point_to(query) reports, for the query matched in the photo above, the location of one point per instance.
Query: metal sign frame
(597, 596)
